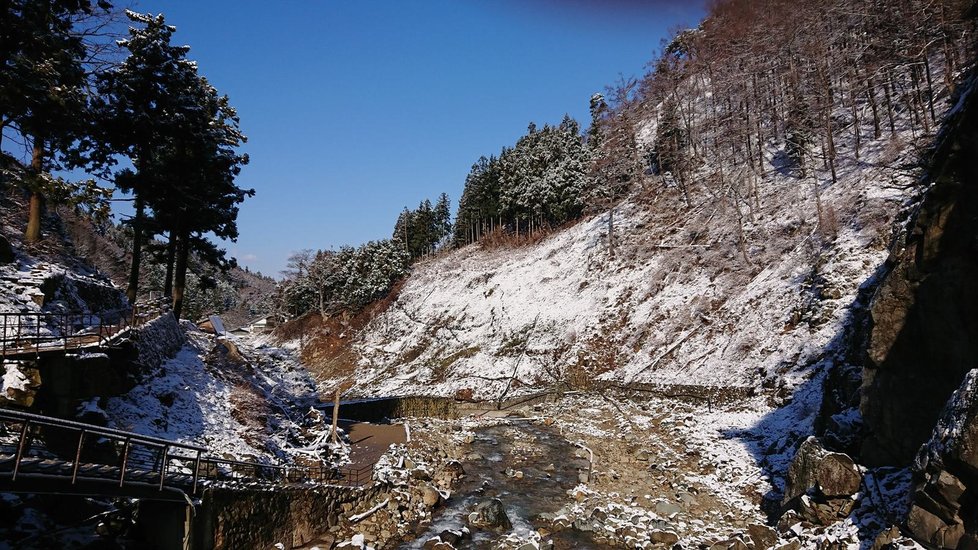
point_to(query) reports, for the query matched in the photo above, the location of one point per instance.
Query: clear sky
(355, 110)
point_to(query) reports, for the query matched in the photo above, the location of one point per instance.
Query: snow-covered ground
(677, 303)
(256, 408)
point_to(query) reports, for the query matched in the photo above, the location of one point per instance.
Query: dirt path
(369, 441)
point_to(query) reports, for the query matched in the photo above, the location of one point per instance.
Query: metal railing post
(20, 449)
(125, 460)
(74, 469)
(196, 472)
(166, 451)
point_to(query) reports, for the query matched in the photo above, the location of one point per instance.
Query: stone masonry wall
(158, 340)
(260, 518)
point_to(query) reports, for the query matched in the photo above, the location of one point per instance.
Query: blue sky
(356, 109)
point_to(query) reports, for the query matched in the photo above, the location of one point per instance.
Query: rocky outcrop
(924, 330)
(820, 484)
(944, 512)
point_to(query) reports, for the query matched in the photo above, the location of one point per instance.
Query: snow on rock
(19, 383)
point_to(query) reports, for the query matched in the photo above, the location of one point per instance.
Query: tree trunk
(171, 252)
(33, 232)
(137, 249)
(336, 416)
(871, 92)
(889, 102)
(180, 277)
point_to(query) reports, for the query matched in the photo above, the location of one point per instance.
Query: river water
(549, 469)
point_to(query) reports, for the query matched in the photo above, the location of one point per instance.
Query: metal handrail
(143, 458)
(40, 420)
(20, 332)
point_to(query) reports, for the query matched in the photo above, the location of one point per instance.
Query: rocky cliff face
(924, 327)
(944, 512)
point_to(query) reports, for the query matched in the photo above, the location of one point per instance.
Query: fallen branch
(360, 517)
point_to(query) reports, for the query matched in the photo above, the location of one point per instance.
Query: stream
(549, 469)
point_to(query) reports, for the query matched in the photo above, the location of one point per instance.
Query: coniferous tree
(144, 104)
(43, 88)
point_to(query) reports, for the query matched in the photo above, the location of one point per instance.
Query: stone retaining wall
(260, 518)
(158, 340)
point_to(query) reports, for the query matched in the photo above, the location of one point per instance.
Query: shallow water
(526, 447)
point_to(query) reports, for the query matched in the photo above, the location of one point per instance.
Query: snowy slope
(676, 304)
(250, 409)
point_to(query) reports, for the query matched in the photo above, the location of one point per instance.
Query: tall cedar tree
(43, 87)
(143, 105)
(199, 168)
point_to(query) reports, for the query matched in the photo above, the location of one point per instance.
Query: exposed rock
(664, 508)
(490, 514)
(730, 544)
(801, 473)
(788, 520)
(837, 475)
(762, 536)
(932, 530)
(430, 496)
(924, 332)
(454, 469)
(832, 475)
(823, 511)
(20, 383)
(453, 536)
(664, 537)
(944, 512)
(886, 537)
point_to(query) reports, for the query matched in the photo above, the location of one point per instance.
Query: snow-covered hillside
(681, 301)
(250, 404)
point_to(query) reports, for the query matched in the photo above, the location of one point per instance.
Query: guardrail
(74, 451)
(41, 331)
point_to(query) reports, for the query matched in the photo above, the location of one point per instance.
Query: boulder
(886, 537)
(667, 538)
(20, 384)
(830, 475)
(453, 536)
(837, 475)
(430, 496)
(666, 508)
(490, 514)
(762, 536)
(802, 472)
(730, 544)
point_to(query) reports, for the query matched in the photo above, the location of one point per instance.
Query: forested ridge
(758, 87)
